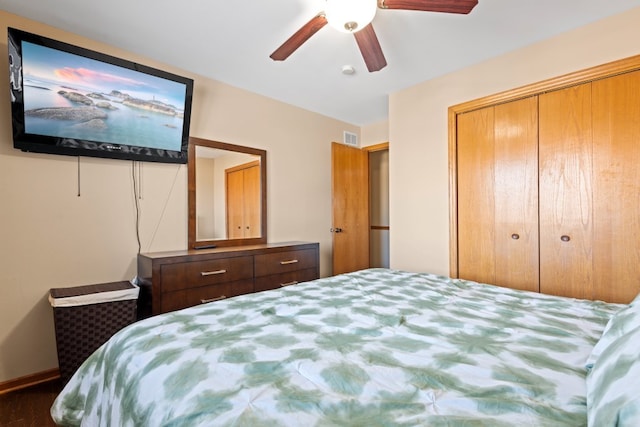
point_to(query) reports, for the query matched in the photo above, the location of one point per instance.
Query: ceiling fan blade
(299, 37)
(370, 49)
(447, 6)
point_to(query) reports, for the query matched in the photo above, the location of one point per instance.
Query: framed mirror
(227, 194)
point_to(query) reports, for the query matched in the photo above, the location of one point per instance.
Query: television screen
(74, 101)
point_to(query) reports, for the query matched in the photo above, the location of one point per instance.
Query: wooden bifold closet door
(548, 191)
(498, 194)
(616, 189)
(243, 201)
(590, 180)
(566, 192)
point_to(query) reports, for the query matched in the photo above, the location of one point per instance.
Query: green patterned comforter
(372, 348)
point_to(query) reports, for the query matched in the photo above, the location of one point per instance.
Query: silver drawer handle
(295, 282)
(211, 273)
(220, 298)
(292, 261)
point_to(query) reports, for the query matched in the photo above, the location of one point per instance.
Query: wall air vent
(350, 139)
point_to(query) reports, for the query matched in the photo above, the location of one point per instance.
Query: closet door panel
(616, 163)
(252, 203)
(235, 204)
(566, 187)
(516, 194)
(497, 195)
(476, 208)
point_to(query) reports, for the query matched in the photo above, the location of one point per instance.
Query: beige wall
(50, 237)
(418, 129)
(375, 133)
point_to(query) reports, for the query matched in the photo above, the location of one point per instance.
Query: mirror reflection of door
(211, 194)
(243, 201)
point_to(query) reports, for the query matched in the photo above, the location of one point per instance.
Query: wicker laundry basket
(85, 317)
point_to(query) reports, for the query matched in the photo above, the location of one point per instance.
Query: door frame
(621, 66)
(383, 146)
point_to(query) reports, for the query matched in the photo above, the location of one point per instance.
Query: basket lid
(92, 294)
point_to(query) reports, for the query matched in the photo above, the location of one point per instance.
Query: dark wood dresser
(179, 279)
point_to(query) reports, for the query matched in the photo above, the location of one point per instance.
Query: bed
(377, 347)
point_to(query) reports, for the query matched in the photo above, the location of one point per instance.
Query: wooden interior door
(498, 195)
(350, 206)
(566, 191)
(616, 191)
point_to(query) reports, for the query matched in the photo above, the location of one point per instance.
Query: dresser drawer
(282, 262)
(276, 281)
(187, 275)
(177, 300)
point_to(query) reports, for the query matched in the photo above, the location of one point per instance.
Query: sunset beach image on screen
(71, 96)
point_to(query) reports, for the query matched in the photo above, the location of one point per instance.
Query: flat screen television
(73, 101)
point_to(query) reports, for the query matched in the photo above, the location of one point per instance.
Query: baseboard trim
(29, 380)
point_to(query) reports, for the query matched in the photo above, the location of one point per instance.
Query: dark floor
(30, 406)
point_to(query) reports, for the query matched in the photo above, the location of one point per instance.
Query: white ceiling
(230, 41)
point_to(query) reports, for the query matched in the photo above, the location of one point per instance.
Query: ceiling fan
(355, 16)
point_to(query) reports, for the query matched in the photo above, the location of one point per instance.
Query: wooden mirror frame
(203, 244)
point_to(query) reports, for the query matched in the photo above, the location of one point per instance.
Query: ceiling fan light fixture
(350, 16)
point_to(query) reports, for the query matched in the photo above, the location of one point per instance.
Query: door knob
(336, 230)
(515, 236)
(565, 238)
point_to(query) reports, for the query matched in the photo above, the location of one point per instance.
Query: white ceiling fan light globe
(350, 16)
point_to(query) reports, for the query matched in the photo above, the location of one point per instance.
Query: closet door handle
(515, 236)
(565, 238)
